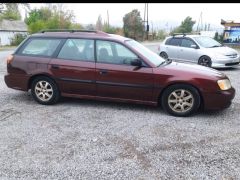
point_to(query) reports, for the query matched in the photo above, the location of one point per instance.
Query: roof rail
(175, 34)
(68, 30)
(184, 34)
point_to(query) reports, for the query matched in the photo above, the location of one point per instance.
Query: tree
(17, 39)
(161, 34)
(99, 25)
(90, 27)
(185, 27)
(76, 26)
(216, 36)
(35, 15)
(50, 18)
(133, 24)
(11, 12)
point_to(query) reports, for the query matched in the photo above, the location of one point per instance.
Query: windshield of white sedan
(207, 42)
(150, 55)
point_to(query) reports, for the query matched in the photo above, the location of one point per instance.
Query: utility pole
(146, 29)
(147, 22)
(200, 19)
(144, 18)
(152, 31)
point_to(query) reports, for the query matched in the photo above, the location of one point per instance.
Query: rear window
(40, 47)
(175, 42)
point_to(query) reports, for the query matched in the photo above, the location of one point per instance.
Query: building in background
(231, 34)
(208, 33)
(8, 28)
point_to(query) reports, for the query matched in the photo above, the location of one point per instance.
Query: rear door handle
(103, 71)
(54, 66)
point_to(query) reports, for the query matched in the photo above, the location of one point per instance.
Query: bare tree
(99, 24)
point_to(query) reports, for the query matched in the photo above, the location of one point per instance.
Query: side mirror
(194, 46)
(136, 62)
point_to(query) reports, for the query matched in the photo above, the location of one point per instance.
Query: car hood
(222, 50)
(195, 70)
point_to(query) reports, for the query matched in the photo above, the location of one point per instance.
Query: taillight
(9, 59)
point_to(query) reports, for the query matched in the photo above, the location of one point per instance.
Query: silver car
(199, 49)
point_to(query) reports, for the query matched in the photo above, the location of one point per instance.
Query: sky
(160, 15)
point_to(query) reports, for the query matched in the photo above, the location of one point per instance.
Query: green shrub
(17, 39)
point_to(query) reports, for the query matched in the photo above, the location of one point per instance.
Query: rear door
(173, 48)
(74, 67)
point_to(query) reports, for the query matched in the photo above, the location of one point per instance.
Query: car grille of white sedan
(232, 55)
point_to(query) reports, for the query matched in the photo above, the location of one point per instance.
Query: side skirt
(110, 99)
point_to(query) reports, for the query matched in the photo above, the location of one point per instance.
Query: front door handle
(54, 66)
(103, 71)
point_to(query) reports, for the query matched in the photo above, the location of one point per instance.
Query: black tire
(180, 103)
(51, 89)
(164, 55)
(205, 61)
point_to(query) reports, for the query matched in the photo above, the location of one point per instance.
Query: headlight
(224, 84)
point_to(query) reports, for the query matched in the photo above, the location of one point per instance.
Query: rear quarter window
(175, 41)
(39, 47)
(168, 41)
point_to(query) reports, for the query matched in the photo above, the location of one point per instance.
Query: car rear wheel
(205, 61)
(45, 91)
(164, 55)
(180, 100)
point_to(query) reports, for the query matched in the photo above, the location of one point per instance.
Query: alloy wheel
(43, 90)
(181, 100)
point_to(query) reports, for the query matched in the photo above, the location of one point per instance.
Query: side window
(168, 41)
(187, 43)
(175, 41)
(41, 47)
(115, 53)
(78, 49)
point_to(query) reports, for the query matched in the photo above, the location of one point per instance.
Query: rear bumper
(16, 81)
(219, 100)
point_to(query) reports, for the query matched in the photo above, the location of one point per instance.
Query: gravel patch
(84, 139)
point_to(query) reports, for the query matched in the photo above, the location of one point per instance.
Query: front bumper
(218, 100)
(224, 63)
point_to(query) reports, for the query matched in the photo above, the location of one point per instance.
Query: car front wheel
(180, 100)
(205, 61)
(164, 55)
(45, 91)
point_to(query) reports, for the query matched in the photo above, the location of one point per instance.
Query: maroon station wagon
(101, 66)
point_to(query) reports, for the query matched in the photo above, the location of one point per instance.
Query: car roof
(79, 34)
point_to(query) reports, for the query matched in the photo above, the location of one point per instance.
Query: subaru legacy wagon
(198, 49)
(101, 66)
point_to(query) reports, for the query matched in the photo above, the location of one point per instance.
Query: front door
(74, 67)
(117, 78)
(187, 52)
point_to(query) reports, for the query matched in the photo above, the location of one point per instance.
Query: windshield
(150, 55)
(207, 42)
